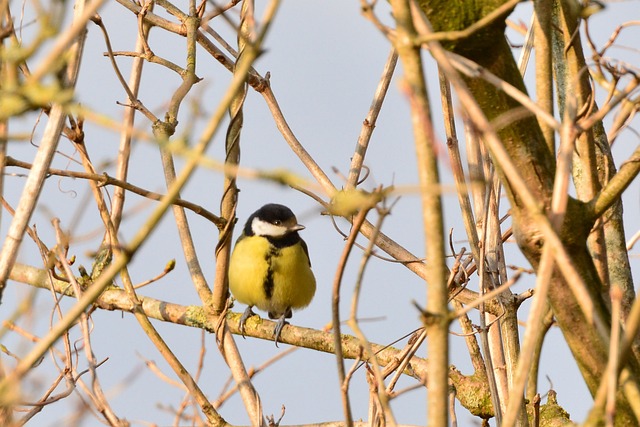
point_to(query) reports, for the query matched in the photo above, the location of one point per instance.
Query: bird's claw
(278, 329)
(246, 315)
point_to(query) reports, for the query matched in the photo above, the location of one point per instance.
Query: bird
(270, 266)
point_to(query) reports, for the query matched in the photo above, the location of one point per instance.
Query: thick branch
(471, 390)
(527, 150)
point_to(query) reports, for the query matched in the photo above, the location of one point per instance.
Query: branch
(436, 315)
(616, 186)
(370, 121)
(105, 179)
(74, 45)
(471, 390)
(485, 21)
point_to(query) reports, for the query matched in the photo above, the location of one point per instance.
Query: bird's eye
(277, 222)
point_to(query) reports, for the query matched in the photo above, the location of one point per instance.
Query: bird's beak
(297, 227)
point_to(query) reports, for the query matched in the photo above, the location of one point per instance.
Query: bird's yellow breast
(270, 278)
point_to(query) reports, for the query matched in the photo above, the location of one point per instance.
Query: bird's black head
(272, 221)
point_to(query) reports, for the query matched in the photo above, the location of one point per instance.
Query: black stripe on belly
(268, 280)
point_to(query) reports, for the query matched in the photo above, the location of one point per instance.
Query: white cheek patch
(263, 228)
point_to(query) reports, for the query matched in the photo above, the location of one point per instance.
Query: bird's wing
(306, 250)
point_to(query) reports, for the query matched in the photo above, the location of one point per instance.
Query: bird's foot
(279, 325)
(246, 315)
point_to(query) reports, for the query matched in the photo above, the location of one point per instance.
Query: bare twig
(335, 311)
(70, 41)
(369, 123)
(104, 179)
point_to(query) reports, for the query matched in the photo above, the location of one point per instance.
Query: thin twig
(357, 160)
(104, 179)
(335, 310)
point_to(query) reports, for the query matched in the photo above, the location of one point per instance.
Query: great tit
(270, 267)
